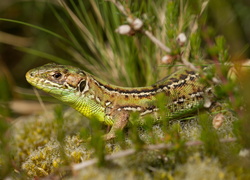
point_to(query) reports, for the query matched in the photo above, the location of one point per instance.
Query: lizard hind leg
(120, 121)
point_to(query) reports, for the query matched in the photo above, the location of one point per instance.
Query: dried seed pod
(181, 39)
(124, 29)
(137, 24)
(207, 103)
(167, 59)
(218, 120)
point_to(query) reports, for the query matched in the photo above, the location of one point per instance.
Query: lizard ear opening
(82, 85)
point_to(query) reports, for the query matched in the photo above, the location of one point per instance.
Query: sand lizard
(111, 104)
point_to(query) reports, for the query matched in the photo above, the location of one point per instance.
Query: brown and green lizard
(96, 99)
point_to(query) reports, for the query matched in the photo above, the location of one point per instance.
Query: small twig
(156, 41)
(128, 152)
(40, 100)
(119, 6)
(84, 164)
(117, 155)
(146, 32)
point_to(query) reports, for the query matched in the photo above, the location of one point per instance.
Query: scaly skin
(111, 104)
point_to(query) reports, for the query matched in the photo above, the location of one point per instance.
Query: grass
(49, 144)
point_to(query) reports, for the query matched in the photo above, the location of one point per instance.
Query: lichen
(36, 149)
(39, 153)
(95, 173)
(46, 159)
(198, 167)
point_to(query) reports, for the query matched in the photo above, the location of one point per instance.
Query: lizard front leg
(120, 120)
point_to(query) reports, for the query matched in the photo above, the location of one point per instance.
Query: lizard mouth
(33, 80)
(30, 77)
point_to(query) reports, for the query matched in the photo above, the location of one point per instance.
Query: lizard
(111, 104)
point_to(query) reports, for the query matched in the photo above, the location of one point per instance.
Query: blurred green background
(33, 33)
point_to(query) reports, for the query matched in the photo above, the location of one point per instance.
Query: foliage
(84, 34)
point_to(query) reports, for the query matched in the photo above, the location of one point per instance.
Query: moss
(36, 149)
(53, 155)
(40, 162)
(95, 173)
(201, 168)
(31, 132)
(39, 153)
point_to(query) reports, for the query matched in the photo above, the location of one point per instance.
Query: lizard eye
(57, 75)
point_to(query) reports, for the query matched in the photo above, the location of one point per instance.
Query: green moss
(41, 161)
(45, 160)
(39, 153)
(31, 132)
(35, 146)
(198, 168)
(95, 173)
(50, 142)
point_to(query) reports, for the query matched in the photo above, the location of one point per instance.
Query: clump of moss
(35, 145)
(30, 133)
(191, 129)
(226, 129)
(39, 153)
(41, 161)
(75, 149)
(95, 173)
(46, 159)
(201, 168)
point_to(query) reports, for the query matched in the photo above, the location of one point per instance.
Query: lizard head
(58, 80)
